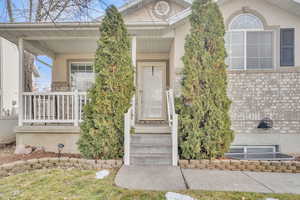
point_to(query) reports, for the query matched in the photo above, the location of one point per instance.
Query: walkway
(167, 178)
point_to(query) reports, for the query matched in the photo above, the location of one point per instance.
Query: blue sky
(45, 71)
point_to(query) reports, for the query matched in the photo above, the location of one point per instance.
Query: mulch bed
(7, 154)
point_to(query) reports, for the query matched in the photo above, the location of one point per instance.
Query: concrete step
(151, 139)
(151, 159)
(152, 128)
(150, 148)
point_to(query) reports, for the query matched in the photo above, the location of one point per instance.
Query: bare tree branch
(30, 11)
(38, 11)
(9, 10)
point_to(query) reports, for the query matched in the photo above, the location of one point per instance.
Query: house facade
(262, 41)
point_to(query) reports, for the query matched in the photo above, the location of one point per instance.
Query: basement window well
(257, 152)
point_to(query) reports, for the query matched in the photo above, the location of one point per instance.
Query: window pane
(287, 47)
(237, 63)
(82, 76)
(259, 50)
(235, 49)
(81, 68)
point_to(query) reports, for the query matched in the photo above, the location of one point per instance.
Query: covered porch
(53, 117)
(74, 44)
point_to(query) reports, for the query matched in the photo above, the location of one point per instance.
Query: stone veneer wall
(243, 165)
(48, 163)
(270, 93)
(60, 86)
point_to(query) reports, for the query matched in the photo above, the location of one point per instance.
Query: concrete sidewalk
(167, 178)
(260, 182)
(163, 178)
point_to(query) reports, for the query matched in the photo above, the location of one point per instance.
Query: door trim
(141, 64)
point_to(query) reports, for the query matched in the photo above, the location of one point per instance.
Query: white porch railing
(173, 123)
(53, 107)
(129, 121)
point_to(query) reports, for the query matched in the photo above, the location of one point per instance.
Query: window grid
(246, 22)
(83, 68)
(242, 49)
(245, 55)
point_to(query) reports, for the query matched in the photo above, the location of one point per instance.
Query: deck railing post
(76, 108)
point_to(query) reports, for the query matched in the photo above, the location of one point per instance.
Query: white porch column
(133, 57)
(21, 84)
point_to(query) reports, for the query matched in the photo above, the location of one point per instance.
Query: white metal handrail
(129, 122)
(53, 107)
(173, 123)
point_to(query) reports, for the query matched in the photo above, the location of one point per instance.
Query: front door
(151, 90)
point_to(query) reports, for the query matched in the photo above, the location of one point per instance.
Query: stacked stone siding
(48, 163)
(60, 86)
(270, 93)
(243, 165)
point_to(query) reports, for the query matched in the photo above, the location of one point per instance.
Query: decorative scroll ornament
(162, 9)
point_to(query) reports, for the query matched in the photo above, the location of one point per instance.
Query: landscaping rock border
(63, 162)
(243, 165)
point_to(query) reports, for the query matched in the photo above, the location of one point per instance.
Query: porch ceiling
(50, 39)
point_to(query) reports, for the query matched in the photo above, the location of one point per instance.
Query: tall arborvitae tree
(204, 106)
(102, 129)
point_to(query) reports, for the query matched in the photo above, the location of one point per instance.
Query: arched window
(248, 44)
(246, 22)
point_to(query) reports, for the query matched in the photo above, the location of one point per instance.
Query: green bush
(102, 129)
(204, 122)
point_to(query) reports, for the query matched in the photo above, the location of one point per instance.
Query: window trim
(70, 62)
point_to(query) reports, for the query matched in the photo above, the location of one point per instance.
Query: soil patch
(7, 154)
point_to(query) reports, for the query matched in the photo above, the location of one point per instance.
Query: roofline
(135, 2)
(73, 25)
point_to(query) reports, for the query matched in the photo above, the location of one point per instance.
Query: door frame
(139, 78)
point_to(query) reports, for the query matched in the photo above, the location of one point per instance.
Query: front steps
(151, 149)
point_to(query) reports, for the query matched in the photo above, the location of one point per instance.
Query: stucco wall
(60, 70)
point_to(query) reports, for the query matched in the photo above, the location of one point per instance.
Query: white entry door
(151, 90)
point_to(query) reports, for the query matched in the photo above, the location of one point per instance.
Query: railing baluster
(30, 107)
(57, 107)
(34, 107)
(53, 107)
(25, 109)
(68, 106)
(63, 107)
(39, 105)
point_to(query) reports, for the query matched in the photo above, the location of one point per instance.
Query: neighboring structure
(262, 40)
(9, 87)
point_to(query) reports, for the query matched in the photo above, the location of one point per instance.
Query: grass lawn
(77, 184)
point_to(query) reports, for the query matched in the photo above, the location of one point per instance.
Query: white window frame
(78, 62)
(245, 31)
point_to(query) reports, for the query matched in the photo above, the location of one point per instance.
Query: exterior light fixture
(265, 123)
(60, 148)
